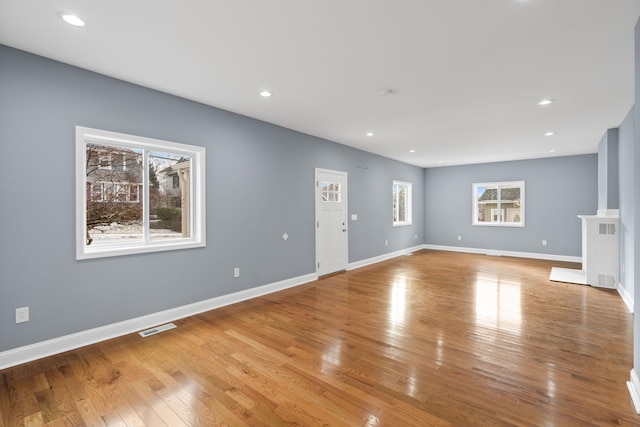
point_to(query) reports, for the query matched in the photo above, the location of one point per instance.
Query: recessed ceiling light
(71, 19)
(412, 151)
(369, 133)
(265, 94)
(440, 161)
(546, 101)
(549, 134)
(553, 150)
(389, 92)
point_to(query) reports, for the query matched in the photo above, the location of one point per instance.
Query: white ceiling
(466, 75)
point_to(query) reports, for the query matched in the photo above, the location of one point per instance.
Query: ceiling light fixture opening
(546, 101)
(265, 94)
(553, 150)
(71, 19)
(369, 133)
(440, 161)
(388, 92)
(549, 134)
(412, 151)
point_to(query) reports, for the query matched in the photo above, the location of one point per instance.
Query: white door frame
(344, 196)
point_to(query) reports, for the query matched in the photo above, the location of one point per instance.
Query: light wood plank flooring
(431, 339)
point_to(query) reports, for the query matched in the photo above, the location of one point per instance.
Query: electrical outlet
(236, 272)
(22, 315)
(415, 237)
(386, 242)
(459, 237)
(544, 243)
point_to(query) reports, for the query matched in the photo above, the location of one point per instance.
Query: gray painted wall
(626, 141)
(608, 170)
(259, 185)
(557, 189)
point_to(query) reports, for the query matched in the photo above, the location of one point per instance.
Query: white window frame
(408, 203)
(500, 222)
(197, 233)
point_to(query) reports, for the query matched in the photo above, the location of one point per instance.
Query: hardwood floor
(431, 339)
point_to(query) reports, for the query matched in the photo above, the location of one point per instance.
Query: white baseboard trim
(624, 294)
(58, 345)
(53, 346)
(634, 389)
(384, 257)
(493, 252)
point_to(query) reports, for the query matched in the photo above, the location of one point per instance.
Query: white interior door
(331, 221)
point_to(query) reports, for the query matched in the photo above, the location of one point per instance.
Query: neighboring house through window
(498, 203)
(123, 202)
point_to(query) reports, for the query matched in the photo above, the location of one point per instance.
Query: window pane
(105, 162)
(487, 204)
(331, 191)
(401, 203)
(499, 203)
(169, 196)
(111, 216)
(134, 193)
(510, 204)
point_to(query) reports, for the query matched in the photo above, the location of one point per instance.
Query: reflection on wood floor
(435, 338)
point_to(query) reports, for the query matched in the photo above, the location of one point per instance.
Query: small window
(125, 206)
(498, 204)
(331, 191)
(104, 161)
(401, 203)
(134, 193)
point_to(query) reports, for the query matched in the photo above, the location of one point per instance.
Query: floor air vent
(157, 329)
(606, 281)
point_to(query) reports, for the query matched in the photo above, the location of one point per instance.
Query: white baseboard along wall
(58, 345)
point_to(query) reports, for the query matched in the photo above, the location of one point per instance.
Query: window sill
(493, 224)
(119, 250)
(402, 224)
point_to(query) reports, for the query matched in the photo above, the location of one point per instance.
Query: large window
(136, 195)
(401, 203)
(499, 203)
